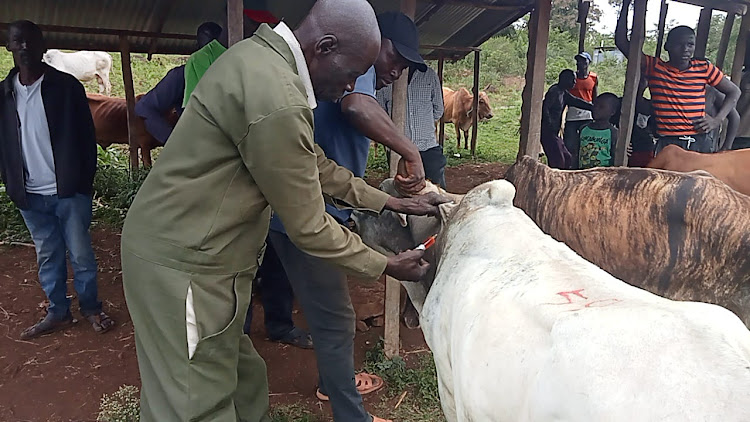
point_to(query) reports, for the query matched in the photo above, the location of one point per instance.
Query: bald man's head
(340, 40)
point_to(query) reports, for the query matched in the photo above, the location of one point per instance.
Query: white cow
(524, 329)
(84, 65)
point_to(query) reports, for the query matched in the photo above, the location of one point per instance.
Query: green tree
(565, 16)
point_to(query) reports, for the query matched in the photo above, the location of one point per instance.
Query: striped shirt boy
(679, 97)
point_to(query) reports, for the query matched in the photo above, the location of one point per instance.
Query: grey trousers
(323, 293)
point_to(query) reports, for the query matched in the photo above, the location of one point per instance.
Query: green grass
(417, 379)
(292, 413)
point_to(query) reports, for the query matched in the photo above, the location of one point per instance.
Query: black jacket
(71, 130)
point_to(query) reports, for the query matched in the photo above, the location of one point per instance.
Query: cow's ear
(446, 211)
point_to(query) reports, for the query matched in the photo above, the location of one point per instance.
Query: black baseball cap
(402, 32)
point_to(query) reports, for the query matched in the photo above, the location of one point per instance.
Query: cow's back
(448, 95)
(110, 116)
(525, 328)
(682, 236)
(731, 167)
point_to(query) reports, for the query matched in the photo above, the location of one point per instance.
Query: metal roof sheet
(446, 23)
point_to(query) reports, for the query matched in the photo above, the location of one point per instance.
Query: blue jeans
(323, 293)
(434, 163)
(60, 225)
(276, 295)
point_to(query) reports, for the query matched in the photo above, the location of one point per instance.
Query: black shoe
(297, 337)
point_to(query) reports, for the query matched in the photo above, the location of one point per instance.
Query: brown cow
(459, 110)
(731, 167)
(111, 123)
(685, 236)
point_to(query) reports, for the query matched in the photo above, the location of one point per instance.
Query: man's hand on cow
(410, 175)
(426, 204)
(407, 266)
(707, 123)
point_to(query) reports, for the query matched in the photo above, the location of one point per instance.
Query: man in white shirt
(47, 162)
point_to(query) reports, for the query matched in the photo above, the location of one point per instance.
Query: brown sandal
(101, 322)
(366, 384)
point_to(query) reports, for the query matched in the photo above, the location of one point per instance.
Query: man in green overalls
(243, 145)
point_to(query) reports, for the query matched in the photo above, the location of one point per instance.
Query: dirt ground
(61, 377)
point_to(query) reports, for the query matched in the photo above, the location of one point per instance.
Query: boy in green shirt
(598, 138)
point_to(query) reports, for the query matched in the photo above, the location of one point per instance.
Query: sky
(680, 13)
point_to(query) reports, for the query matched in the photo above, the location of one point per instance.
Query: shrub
(12, 227)
(121, 406)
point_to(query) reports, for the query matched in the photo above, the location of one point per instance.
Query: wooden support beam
(104, 31)
(632, 79)
(235, 19)
(441, 134)
(583, 15)
(478, 4)
(475, 106)
(739, 52)
(662, 26)
(533, 91)
(391, 341)
(442, 48)
(726, 33)
(725, 6)
(701, 34)
(127, 78)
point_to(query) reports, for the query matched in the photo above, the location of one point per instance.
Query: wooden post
(475, 106)
(701, 36)
(127, 78)
(726, 33)
(662, 26)
(393, 286)
(441, 135)
(739, 52)
(632, 78)
(583, 14)
(533, 92)
(235, 21)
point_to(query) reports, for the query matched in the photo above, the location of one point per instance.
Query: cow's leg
(466, 138)
(104, 84)
(100, 82)
(411, 317)
(146, 157)
(458, 136)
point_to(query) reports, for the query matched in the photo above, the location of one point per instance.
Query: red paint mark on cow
(575, 296)
(566, 295)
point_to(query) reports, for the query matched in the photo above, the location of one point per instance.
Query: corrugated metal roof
(441, 22)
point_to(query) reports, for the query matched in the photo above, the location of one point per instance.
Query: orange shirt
(679, 97)
(584, 88)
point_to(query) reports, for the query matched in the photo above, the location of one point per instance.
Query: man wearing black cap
(342, 129)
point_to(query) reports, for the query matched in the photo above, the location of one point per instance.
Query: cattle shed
(449, 29)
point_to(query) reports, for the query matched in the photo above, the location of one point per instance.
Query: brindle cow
(685, 236)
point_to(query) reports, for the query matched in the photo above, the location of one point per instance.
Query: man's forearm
(621, 31)
(365, 114)
(733, 124)
(729, 104)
